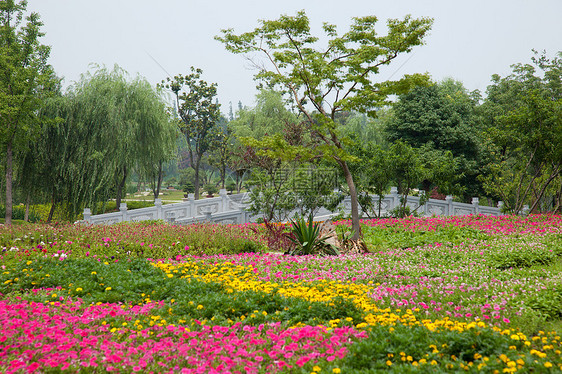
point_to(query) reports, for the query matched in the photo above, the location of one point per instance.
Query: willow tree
(24, 76)
(109, 125)
(324, 81)
(155, 135)
(199, 115)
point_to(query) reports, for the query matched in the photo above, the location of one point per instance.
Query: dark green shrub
(230, 186)
(547, 302)
(18, 213)
(188, 187)
(210, 188)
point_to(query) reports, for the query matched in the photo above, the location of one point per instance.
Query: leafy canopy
(339, 77)
(342, 71)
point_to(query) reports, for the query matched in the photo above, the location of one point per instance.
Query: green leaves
(522, 114)
(323, 82)
(344, 68)
(26, 81)
(306, 236)
(199, 115)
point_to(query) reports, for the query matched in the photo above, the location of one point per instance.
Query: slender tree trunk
(355, 226)
(158, 181)
(120, 187)
(553, 175)
(9, 161)
(196, 184)
(160, 177)
(52, 210)
(27, 204)
(558, 200)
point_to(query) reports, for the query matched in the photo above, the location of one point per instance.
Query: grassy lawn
(14, 221)
(175, 195)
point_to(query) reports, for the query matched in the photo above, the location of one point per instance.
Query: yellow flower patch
(243, 278)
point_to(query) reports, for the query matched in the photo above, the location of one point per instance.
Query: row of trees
(438, 137)
(76, 148)
(320, 114)
(80, 147)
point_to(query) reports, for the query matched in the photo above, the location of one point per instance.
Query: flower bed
(477, 294)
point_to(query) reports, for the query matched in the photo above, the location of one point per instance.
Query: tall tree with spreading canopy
(523, 119)
(326, 81)
(442, 116)
(199, 115)
(24, 75)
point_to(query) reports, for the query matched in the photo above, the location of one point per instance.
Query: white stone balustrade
(222, 209)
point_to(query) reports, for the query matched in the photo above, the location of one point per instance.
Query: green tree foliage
(410, 166)
(324, 81)
(25, 79)
(373, 175)
(371, 172)
(442, 116)
(108, 127)
(275, 146)
(523, 117)
(222, 149)
(198, 113)
(268, 117)
(362, 129)
(156, 135)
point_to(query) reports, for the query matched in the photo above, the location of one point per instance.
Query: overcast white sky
(470, 40)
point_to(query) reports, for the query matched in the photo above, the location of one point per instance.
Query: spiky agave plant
(306, 237)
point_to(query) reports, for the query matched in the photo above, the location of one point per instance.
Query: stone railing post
(191, 205)
(123, 210)
(224, 200)
(450, 209)
(500, 207)
(422, 197)
(87, 215)
(525, 210)
(158, 206)
(395, 200)
(476, 205)
(243, 215)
